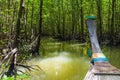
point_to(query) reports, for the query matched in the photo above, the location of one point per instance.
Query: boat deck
(103, 71)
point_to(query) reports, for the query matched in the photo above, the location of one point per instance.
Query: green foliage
(60, 18)
(19, 77)
(22, 30)
(22, 76)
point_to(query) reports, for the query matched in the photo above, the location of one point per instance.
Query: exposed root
(9, 65)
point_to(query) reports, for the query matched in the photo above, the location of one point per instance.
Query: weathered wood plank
(99, 72)
(105, 68)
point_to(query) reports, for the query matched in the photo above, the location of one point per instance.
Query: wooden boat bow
(100, 69)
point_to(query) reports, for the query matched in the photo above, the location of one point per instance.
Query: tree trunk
(8, 14)
(59, 17)
(99, 5)
(12, 69)
(40, 27)
(32, 28)
(17, 30)
(63, 21)
(25, 21)
(112, 24)
(73, 20)
(13, 18)
(1, 16)
(108, 22)
(82, 22)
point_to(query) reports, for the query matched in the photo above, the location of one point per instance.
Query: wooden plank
(106, 77)
(102, 71)
(104, 68)
(92, 76)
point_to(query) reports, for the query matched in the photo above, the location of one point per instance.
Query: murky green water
(60, 68)
(66, 61)
(113, 55)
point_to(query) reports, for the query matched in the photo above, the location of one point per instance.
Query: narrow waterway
(66, 60)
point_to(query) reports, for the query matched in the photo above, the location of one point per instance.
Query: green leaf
(22, 30)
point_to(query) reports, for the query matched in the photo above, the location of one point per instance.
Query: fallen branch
(9, 54)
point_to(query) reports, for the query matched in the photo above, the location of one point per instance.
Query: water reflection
(66, 61)
(61, 67)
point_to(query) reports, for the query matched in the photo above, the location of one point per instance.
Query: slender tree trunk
(40, 27)
(32, 28)
(1, 19)
(73, 20)
(25, 21)
(51, 20)
(108, 22)
(17, 29)
(79, 18)
(63, 27)
(99, 14)
(82, 22)
(8, 14)
(112, 24)
(59, 18)
(13, 18)
(116, 24)
(63, 22)
(32, 16)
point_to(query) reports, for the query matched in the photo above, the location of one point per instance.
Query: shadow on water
(61, 67)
